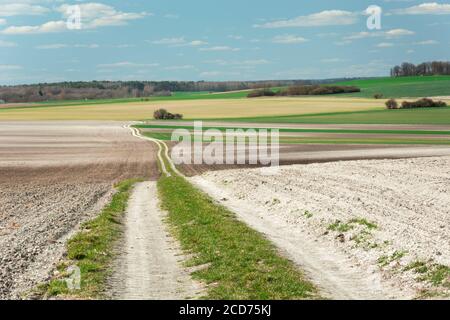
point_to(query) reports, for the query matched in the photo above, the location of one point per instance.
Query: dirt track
(149, 266)
(55, 175)
(407, 201)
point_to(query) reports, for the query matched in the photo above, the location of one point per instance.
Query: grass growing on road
(242, 263)
(91, 249)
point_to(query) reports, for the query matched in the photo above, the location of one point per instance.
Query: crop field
(412, 116)
(192, 109)
(402, 87)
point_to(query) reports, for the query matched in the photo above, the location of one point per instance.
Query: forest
(433, 68)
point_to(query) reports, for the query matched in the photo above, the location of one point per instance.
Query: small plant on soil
(340, 226)
(364, 222)
(308, 214)
(417, 267)
(386, 260)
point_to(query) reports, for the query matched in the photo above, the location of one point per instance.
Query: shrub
(392, 104)
(378, 95)
(261, 93)
(423, 103)
(308, 90)
(162, 114)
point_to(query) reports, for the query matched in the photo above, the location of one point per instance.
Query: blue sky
(216, 40)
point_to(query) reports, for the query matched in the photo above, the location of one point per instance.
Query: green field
(401, 87)
(411, 116)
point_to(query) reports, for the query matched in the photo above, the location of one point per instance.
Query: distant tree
(160, 114)
(423, 103)
(392, 104)
(163, 114)
(378, 95)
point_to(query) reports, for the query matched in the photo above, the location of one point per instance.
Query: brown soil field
(55, 175)
(323, 153)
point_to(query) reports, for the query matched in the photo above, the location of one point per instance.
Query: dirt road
(55, 175)
(149, 263)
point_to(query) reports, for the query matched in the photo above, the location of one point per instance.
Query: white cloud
(197, 43)
(176, 68)
(88, 46)
(254, 62)
(124, 45)
(48, 27)
(179, 42)
(219, 48)
(426, 43)
(385, 45)
(214, 74)
(394, 33)
(52, 46)
(171, 16)
(362, 35)
(332, 60)
(289, 39)
(425, 8)
(101, 15)
(8, 67)
(399, 33)
(94, 15)
(127, 64)
(7, 44)
(62, 46)
(324, 18)
(169, 41)
(2, 21)
(21, 9)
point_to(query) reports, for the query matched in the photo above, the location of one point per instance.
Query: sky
(40, 41)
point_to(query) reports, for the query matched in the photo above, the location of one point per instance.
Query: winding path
(150, 264)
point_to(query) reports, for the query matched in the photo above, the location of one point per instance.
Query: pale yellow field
(196, 109)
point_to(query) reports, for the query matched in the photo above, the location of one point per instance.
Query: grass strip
(287, 130)
(241, 263)
(166, 136)
(92, 250)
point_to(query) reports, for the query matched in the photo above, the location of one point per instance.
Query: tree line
(88, 90)
(304, 90)
(432, 68)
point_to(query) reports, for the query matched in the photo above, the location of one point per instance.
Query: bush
(378, 95)
(423, 103)
(261, 93)
(162, 114)
(315, 90)
(392, 104)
